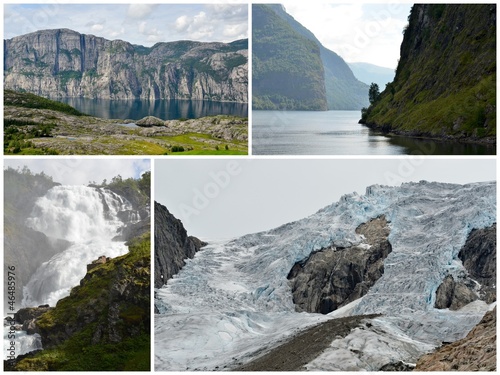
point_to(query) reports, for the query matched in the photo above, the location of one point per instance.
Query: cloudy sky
(232, 197)
(141, 24)
(358, 32)
(80, 171)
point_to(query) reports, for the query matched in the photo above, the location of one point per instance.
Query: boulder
(149, 121)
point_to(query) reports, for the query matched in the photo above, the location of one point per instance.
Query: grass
(27, 100)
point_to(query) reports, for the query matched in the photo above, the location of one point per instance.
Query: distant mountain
(445, 83)
(64, 63)
(287, 68)
(369, 73)
(342, 89)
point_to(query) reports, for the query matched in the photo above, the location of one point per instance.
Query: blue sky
(79, 171)
(142, 24)
(358, 32)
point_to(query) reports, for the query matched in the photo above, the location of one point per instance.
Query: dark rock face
(397, 366)
(172, 245)
(478, 256)
(453, 295)
(333, 277)
(65, 63)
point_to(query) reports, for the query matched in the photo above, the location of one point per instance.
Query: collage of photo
(249, 187)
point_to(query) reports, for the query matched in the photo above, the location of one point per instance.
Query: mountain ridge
(62, 62)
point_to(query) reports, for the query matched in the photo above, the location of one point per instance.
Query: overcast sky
(78, 171)
(141, 24)
(231, 197)
(358, 32)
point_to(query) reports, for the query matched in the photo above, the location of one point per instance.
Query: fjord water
(164, 109)
(338, 133)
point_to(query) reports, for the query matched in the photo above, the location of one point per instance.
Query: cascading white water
(86, 216)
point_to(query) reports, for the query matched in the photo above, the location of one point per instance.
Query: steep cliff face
(172, 245)
(287, 69)
(343, 90)
(445, 83)
(65, 63)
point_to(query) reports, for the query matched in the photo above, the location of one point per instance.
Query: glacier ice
(232, 301)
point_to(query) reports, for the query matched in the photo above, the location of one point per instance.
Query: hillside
(445, 83)
(104, 325)
(342, 90)
(64, 63)
(287, 68)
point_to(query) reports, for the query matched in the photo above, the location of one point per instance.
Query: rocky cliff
(293, 70)
(445, 83)
(172, 245)
(65, 63)
(478, 281)
(333, 277)
(475, 352)
(287, 69)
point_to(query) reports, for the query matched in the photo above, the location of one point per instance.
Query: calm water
(338, 133)
(164, 109)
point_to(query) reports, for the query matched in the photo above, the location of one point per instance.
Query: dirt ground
(305, 346)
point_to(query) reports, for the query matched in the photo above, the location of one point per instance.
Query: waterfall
(89, 218)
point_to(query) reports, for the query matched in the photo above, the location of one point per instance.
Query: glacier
(232, 301)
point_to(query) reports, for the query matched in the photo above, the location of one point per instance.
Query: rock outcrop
(478, 256)
(172, 245)
(445, 83)
(64, 63)
(331, 278)
(475, 352)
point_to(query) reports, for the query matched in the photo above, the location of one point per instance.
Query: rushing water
(87, 217)
(164, 109)
(338, 133)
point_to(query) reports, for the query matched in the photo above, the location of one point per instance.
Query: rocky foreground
(87, 135)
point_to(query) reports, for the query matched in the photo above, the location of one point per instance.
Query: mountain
(445, 83)
(284, 51)
(368, 73)
(64, 63)
(172, 245)
(368, 267)
(287, 69)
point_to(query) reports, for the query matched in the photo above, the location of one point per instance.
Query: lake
(338, 133)
(165, 109)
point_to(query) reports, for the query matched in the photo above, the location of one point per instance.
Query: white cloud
(97, 27)
(182, 23)
(140, 10)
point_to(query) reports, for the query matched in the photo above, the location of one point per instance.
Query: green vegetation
(96, 327)
(445, 86)
(17, 135)
(27, 100)
(287, 68)
(68, 75)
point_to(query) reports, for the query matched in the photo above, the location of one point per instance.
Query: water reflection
(164, 109)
